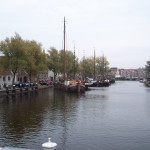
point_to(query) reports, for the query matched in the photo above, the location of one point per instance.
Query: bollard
(21, 89)
(13, 90)
(78, 87)
(36, 86)
(32, 87)
(49, 145)
(26, 89)
(7, 90)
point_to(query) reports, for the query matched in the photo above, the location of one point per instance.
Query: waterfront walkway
(11, 91)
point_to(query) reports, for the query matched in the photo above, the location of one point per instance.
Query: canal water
(105, 118)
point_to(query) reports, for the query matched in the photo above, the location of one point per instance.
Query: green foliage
(20, 54)
(147, 68)
(54, 61)
(102, 65)
(13, 49)
(71, 63)
(35, 58)
(87, 66)
(28, 55)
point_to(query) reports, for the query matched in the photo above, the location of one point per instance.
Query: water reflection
(21, 115)
(31, 114)
(116, 117)
(66, 106)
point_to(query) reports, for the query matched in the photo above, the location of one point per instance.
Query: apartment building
(128, 74)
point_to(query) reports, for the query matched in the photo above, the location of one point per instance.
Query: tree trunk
(14, 74)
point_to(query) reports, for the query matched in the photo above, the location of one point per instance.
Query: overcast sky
(119, 29)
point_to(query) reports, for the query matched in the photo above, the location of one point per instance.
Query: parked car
(32, 83)
(24, 84)
(19, 84)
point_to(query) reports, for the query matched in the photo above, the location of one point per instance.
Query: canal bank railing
(10, 91)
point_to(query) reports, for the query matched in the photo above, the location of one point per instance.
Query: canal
(105, 118)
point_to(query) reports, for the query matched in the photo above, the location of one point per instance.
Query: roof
(5, 72)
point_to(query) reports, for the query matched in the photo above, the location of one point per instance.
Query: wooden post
(13, 90)
(64, 50)
(78, 87)
(7, 90)
(21, 89)
(94, 64)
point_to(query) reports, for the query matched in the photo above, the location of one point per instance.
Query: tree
(87, 66)
(147, 68)
(53, 61)
(35, 58)
(102, 65)
(71, 63)
(13, 50)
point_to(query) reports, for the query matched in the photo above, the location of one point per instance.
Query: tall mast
(64, 49)
(74, 63)
(94, 63)
(103, 67)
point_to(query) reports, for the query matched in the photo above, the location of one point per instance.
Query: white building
(6, 78)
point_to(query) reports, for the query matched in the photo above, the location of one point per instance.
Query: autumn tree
(13, 50)
(71, 63)
(35, 58)
(147, 68)
(102, 65)
(87, 66)
(54, 61)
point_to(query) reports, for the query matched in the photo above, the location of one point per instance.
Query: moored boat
(104, 83)
(90, 82)
(147, 82)
(75, 86)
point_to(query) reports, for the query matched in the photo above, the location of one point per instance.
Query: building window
(3, 78)
(8, 78)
